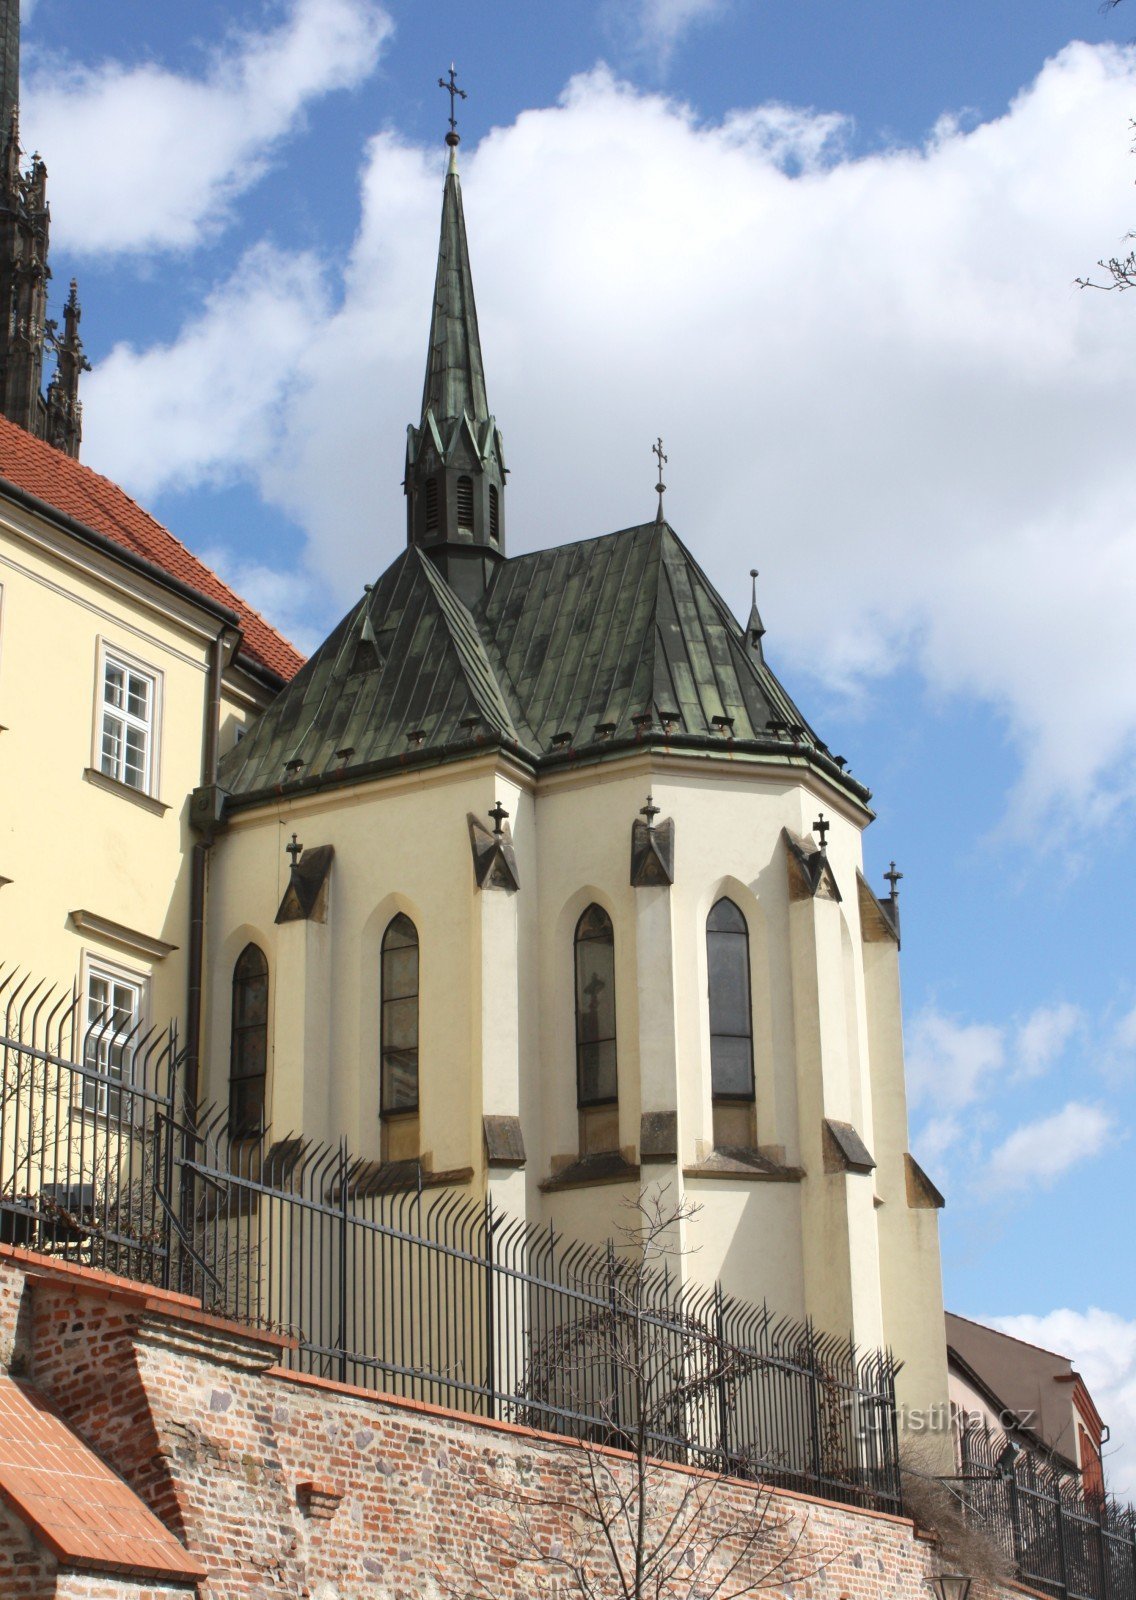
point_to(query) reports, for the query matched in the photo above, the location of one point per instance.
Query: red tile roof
(87, 497)
(72, 1501)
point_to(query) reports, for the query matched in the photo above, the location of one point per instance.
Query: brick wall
(289, 1486)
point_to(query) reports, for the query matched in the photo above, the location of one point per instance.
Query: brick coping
(145, 1297)
(426, 1408)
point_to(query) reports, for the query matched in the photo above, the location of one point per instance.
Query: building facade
(536, 881)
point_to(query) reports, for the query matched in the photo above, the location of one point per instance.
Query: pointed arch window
(248, 1050)
(596, 1077)
(399, 1088)
(731, 1009)
(431, 505)
(465, 502)
(494, 514)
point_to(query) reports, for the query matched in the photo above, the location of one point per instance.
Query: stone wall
(292, 1486)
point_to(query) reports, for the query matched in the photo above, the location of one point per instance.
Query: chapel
(536, 882)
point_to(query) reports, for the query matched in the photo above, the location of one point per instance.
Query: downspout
(227, 639)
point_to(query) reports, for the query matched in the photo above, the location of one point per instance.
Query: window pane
(113, 684)
(138, 697)
(134, 764)
(597, 1068)
(728, 959)
(250, 1053)
(400, 1024)
(112, 746)
(725, 918)
(400, 1080)
(251, 1000)
(400, 972)
(246, 1106)
(731, 1067)
(595, 991)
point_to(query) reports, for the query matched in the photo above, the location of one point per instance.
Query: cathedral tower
(26, 334)
(455, 466)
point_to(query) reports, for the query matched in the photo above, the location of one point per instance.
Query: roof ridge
(453, 608)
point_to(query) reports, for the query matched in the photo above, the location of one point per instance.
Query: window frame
(589, 1102)
(742, 935)
(110, 654)
(240, 1031)
(94, 1097)
(403, 1108)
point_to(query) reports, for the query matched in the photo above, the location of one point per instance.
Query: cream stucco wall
(69, 841)
(498, 1024)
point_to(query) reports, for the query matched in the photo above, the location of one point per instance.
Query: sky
(830, 253)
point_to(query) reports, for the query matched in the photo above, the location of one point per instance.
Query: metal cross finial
(650, 811)
(454, 93)
(660, 487)
(498, 814)
(821, 826)
(893, 878)
(295, 850)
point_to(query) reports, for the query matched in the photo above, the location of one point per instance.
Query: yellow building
(126, 668)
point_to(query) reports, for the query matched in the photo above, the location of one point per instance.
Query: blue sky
(827, 250)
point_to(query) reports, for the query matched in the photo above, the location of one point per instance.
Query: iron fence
(426, 1293)
(1062, 1542)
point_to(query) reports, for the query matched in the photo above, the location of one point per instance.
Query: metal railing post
(490, 1312)
(613, 1334)
(814, 1407)
(1062, 1562)
(723, 1389)
(343, 1226)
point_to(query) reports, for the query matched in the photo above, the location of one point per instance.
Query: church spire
(455, 468)
(26, 334)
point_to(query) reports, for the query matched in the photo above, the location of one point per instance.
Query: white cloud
(1102, 1347)
(143, 158)
(950, 1064)
(283, 597)
(655, 27)
(1043, 1037)
(875, 372)
(150, 417)
(1035, 1155)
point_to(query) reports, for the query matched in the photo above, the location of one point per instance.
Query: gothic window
(731, 1013)
(248, 1053)
(465, 502)
(596, 1082)
(399, 1088)
(494, 514)
(431, 505)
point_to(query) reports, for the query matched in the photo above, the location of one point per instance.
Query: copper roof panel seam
(621, 625)
(586, 704)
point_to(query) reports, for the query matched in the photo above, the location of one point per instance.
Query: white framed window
(128, 720)
(114, 1002)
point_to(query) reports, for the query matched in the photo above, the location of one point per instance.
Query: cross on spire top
(295, 850)
(451, 88)
(893, 878)
(821, 827)
(498, 814)
(660, 487)
(650, 811)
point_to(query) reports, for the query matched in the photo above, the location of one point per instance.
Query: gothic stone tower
(26, 333)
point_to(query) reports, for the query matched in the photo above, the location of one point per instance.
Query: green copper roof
(455, 377)
(572, 652)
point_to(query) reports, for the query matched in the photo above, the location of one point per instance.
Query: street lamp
(951, 1586)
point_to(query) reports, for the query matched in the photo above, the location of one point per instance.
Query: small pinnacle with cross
(821, 826)
(295, 850)
(650, 811)
(498, 814)
(451, 88)
(893, 877)
(660, 487)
